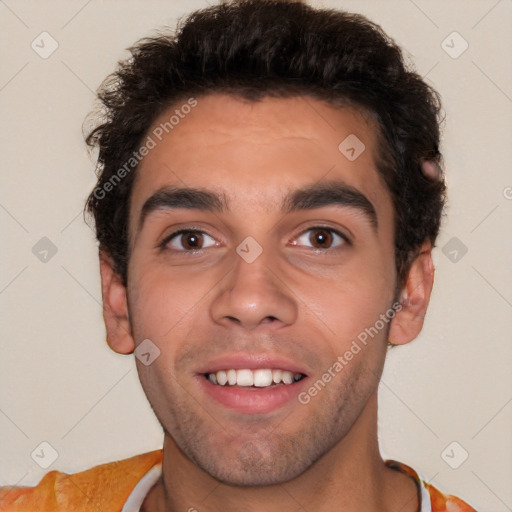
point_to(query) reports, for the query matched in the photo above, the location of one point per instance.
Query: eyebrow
(171, 198)
(318, 195)
(331, 193)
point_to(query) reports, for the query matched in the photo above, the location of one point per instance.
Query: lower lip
(252, 400)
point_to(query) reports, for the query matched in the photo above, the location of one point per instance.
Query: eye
(187, 240)
(322, 238)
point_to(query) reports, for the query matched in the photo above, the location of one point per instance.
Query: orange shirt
(107, 488)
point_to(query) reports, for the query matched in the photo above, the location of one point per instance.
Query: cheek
(162, 388)
(348, 309)
(162, 301)
(172, 306)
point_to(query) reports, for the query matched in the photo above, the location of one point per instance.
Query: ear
(115, 308)
(415, 296)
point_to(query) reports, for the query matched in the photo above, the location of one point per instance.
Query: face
(268, 267)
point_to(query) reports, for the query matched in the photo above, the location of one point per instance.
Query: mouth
(252, 385)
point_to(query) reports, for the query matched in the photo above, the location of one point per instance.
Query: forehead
(255, 152)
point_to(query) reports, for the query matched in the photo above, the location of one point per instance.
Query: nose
(253, 294)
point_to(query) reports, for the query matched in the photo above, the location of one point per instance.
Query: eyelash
(163, 245)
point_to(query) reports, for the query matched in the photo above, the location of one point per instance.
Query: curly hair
(253, 49)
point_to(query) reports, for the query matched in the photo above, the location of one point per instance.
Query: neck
(350, 477)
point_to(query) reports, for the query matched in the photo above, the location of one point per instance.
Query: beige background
(59, 381)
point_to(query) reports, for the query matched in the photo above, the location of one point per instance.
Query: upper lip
(251, 362)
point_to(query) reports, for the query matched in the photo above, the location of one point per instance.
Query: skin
(292, 301)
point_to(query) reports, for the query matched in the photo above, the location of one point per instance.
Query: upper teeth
(259, 378)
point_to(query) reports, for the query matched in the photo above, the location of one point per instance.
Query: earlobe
(115, 308)
(414, 300)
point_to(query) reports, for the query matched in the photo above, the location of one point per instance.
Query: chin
(257, 464)
(255, 473)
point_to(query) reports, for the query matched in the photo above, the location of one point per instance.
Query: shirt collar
(423, 494)
(141, 490)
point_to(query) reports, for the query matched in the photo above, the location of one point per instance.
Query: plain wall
(59, 381)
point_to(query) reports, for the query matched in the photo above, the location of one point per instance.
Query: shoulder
(439, 501)
(106, 487)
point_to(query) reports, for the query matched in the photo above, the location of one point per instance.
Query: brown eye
(322, 238)
(189, 240)
(192, 240)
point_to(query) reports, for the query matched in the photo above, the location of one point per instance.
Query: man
(269, 193)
